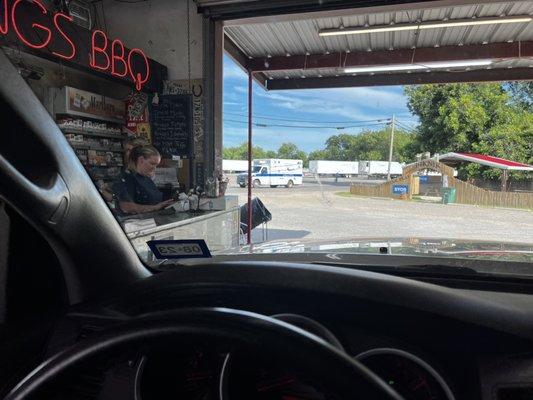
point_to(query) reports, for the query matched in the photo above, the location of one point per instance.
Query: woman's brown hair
(145, 151)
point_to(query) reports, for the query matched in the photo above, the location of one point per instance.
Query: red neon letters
(112, 58)
(118, 58)
(100, 50)
(67, 39)
(4, 27)
(136, 76)
(34, 25)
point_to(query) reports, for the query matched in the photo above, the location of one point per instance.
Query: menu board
(171, 121)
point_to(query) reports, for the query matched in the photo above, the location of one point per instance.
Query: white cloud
(232, 70)
(352, 103)
(240, 89)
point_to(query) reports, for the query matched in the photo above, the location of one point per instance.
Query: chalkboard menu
(171, 122)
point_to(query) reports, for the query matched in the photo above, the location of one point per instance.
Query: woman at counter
(135, 190)
(107, 190)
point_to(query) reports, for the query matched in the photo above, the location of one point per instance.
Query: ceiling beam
(241, 60)
(243, 12)
(492, 75)
(235, 53)
(495, 51)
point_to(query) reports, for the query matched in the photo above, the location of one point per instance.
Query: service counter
(219, 228)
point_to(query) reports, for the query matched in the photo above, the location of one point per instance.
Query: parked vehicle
(334, 168)
(234, 166)
(379, 169)
(274, 172)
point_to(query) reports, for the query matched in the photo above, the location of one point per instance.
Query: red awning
(482, 159)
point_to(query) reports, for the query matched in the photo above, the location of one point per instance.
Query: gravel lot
(316, 211)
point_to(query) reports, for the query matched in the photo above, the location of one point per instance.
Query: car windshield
(391, 130)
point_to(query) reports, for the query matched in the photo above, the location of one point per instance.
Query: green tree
(479, 118)
(290, 150)
(368, 145)
(318, 155)
(454, 116)
(286, 150)
(512, 140)
(240, 152)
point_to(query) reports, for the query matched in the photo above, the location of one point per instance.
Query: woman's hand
(164, 204)
(133, 208)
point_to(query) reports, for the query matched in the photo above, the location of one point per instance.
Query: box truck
(379, 169)
(334, 168)
(234, 166)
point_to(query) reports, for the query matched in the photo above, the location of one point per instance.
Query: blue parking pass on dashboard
(194, 248)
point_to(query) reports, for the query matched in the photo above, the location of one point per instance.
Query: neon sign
(104, 55)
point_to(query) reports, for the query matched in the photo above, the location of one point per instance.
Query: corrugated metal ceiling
(301, 36)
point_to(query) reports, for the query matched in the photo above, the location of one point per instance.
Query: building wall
(159, 28)
(56, 75)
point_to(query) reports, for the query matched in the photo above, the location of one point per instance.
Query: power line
(261, 125)
(407, 124)
(309, 121)
(406, 127)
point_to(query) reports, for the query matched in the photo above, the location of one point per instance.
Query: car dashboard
(420, 349)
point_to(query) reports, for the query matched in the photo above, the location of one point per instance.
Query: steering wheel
(339, 374)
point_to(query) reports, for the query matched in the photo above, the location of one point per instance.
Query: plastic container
(260, 214)
(448, 195)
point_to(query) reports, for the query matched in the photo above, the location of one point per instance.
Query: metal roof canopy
(287, 52)
(489, 161)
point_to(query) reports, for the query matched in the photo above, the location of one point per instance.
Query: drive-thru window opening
(408, 52)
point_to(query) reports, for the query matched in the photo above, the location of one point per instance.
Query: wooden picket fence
(383, 189)
(470, 194)
(466, 193)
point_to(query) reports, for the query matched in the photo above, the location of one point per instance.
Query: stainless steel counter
(220, 229)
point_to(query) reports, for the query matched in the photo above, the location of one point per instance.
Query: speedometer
(409, 375)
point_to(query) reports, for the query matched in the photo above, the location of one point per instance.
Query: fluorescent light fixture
(384, 68)
(427, 25)
(414, 67)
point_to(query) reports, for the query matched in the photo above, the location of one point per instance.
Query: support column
(213, 36)
(250, 156)
(505, 178)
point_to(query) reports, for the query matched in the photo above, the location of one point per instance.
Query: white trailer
(274, 172)
(234, 166)
(379, 168)
(333, 168)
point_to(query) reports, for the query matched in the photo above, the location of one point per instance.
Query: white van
(274, 172)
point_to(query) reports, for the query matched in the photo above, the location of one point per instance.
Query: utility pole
(391, 146)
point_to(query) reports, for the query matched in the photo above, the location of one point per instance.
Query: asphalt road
(316, 211)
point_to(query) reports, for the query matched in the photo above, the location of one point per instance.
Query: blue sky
(339, 106)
